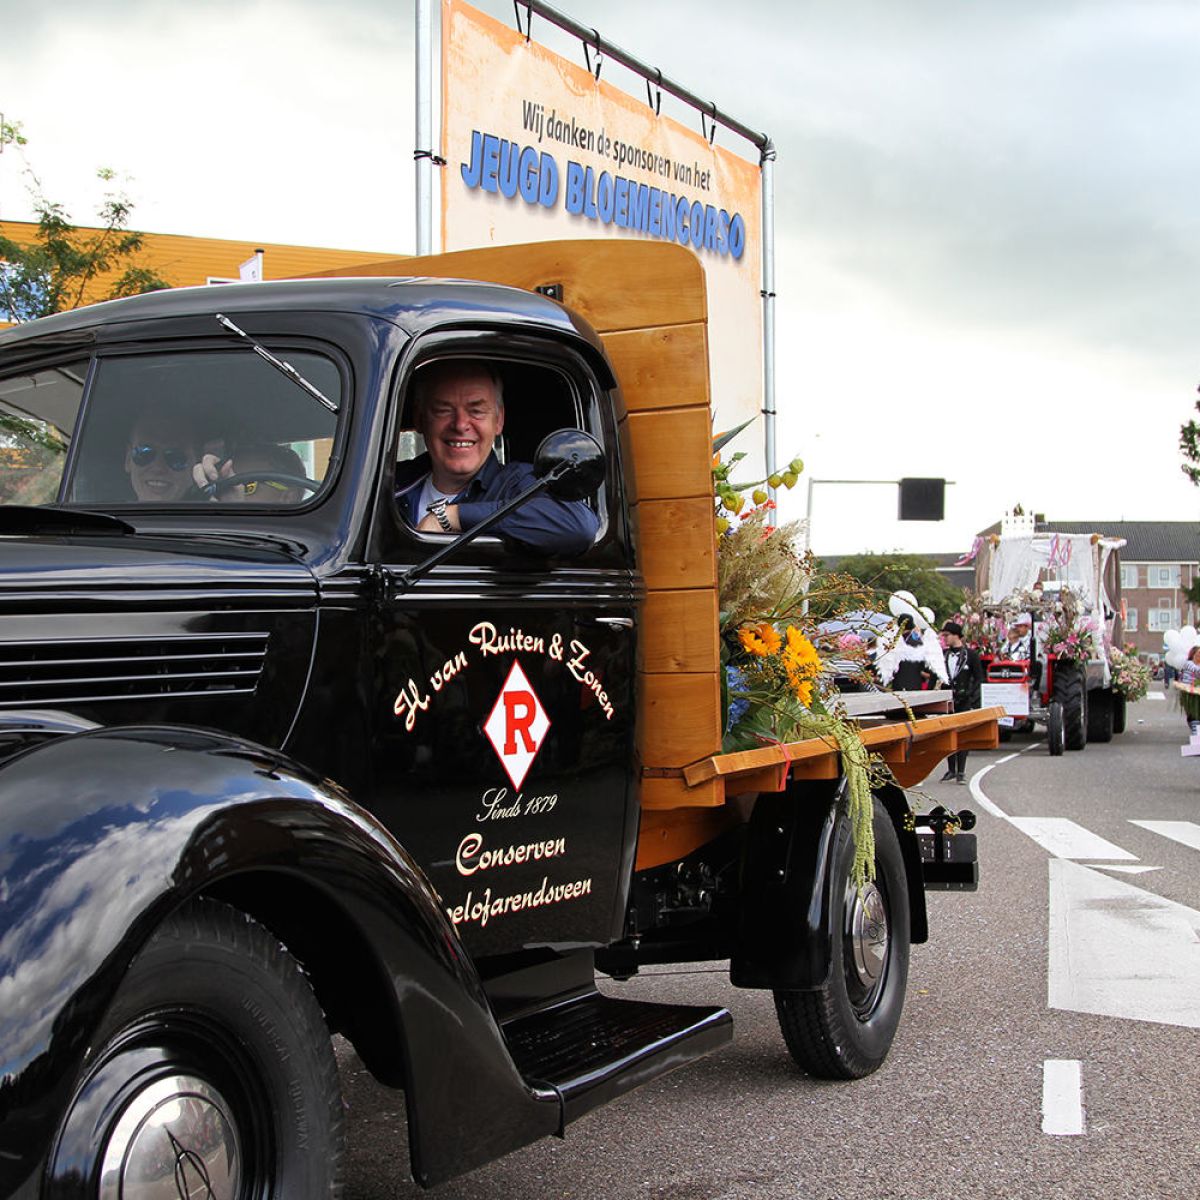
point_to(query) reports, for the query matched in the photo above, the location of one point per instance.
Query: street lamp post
(873, 482)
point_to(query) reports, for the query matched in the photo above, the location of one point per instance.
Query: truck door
(503, 744)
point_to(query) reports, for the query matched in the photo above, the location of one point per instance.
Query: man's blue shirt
(542, 523)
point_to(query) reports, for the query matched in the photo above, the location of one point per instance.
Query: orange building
(191, 261)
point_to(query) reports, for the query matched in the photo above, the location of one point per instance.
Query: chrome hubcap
(869, 935)
(175, 1140)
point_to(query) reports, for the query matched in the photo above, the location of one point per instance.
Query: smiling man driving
(458, 482)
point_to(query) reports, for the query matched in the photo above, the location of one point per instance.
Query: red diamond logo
(517, 726)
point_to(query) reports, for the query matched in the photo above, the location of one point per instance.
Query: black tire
(216, 1035)
(844, 1029)
(1119, 713)
(1054, 728)
(1071, 694)
(1100, 715)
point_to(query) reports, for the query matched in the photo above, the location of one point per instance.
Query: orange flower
(802, 663)
(760, 640)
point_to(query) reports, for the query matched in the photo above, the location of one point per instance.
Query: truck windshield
(169, 428)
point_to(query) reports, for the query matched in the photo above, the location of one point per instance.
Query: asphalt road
(958, 1109)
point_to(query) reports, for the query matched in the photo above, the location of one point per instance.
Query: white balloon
(1179, 643)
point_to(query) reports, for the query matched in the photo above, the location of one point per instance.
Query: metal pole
(424, 151)
(808, 517)
(807, 543)
(586, 34)
(768, 311)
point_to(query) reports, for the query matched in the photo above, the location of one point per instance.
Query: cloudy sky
(986, 212)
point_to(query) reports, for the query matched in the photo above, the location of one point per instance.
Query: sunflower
(761, 640)
(802, 663)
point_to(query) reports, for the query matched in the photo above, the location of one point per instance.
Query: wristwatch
(438, 509)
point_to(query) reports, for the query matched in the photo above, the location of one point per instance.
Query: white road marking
(1066, 839)
(1062, 1097)
(1119, 951)
(976, 786)
(1185, 832)
(980, 798)
(1154, 696)
(1124, 868)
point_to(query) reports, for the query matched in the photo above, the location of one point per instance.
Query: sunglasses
(144, 455)
(255, 484)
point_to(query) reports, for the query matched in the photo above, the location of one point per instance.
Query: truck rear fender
(895, 801)
(104, 833)
(784, 938)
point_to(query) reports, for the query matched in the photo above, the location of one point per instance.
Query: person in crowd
(459, 481)
(160, 455)
(965, 673)
(1019, 645)
(1189, 676)
(1168, 671)
(911, 661)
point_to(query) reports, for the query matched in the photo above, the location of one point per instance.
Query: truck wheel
(1099, 715)
(212, 1075)
(1054, 728)
(1118, 711)
(844, 1029)
(1071, 694)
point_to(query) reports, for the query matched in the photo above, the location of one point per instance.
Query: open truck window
(39, 409)
(534, 400)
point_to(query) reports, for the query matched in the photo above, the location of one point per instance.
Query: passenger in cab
(159, 457)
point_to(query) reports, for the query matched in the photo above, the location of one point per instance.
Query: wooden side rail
(898, 743)
(682, 808)
(910, 749)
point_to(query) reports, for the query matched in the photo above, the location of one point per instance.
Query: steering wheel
(231, 481)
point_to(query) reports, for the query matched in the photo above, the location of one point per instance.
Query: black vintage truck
(274, 765)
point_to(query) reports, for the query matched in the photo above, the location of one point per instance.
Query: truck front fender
(784, 938)
(102, 834)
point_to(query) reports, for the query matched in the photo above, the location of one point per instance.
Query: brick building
(191, 261)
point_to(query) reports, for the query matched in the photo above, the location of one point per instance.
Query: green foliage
(31, 460)
(11, 135)
(887, 573)
(57, 271)
(1189, 446)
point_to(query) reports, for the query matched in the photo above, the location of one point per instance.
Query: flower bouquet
(982, 630)
(1068, 638)
(1130, 677)
(778, 685)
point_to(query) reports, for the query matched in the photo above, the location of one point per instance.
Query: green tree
(883, 574)
(61, 268)
(1189, 445)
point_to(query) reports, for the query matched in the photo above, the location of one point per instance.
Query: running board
(592, 1049)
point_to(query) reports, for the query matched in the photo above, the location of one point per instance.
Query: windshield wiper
(278, 363)
(26, 518)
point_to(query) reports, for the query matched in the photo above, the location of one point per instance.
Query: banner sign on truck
(537, 148)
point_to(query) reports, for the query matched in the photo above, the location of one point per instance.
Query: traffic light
(922, 499)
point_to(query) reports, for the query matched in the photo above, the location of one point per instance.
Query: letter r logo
(520, 708)
(517, 725)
